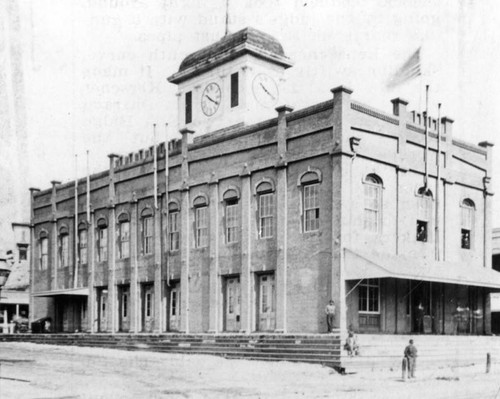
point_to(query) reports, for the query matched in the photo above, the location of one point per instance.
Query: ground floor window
(369, 296)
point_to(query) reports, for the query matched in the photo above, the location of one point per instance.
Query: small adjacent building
(257, 215)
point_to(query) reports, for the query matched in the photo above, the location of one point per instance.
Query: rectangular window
(82, 246)
(189, 107)
(148, 304)
(124, 240)
(201, 239)
(64, 250)
(234, 90)
(266, 215)
(369, 296)
(125, 304)
(421, 231)
(23, 252)
(102, 244)
(147, 232)
(372, 206)
(232, 221)
(173, 230)
(311, 207)
(44, 253)
(467, 222)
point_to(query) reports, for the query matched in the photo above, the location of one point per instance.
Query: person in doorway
(410, 355)
(330, 315)
(420, 318)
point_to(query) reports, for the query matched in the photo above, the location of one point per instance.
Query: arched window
(123, 236)
(173, 226)
(147, 231)
(266, 201)
(424, 216)
(372, 203)
(102, 240)
(43, 250)
(467, 222)
(200, 204)
(63, 246)
(310, 182)
(82, 243)
(231, 202)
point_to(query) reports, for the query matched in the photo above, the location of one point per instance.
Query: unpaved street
(42, 371)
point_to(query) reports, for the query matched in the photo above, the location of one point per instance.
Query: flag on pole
(409, 70)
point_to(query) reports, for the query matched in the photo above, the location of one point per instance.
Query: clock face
(265, 90)
(210, 99)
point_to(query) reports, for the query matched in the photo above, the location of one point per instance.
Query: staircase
(385, 352)
(309, 348)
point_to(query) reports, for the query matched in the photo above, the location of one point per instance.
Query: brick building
(266, 213)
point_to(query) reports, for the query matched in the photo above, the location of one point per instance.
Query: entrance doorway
(174, 307)
(266, 307)
(102, 309)
(421, 305)
(232, 300)
(148, 306)
(124, 308)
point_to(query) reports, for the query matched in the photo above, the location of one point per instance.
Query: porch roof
(359, 265)
(70, 291)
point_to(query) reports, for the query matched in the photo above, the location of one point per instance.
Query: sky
(95, 70)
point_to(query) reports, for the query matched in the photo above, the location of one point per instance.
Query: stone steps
(319, 349)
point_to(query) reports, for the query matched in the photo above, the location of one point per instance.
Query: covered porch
(400, 295)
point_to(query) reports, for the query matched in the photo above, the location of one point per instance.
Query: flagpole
(426, 179)
(88, 190)
(75, 277)
(438, 184)
(227, 18)
(155, 169)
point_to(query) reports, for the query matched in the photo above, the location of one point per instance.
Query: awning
(359, 265)
(12, 297)
(69, 291)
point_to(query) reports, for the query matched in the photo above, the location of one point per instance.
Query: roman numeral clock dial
(210, 99)
(265, 90)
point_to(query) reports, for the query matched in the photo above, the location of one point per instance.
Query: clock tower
(236, 80)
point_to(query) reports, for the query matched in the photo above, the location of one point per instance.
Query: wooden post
(488, 363)
(404, 368)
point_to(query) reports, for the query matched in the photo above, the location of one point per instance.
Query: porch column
(214, 279)
(246, 252)
(281, 222)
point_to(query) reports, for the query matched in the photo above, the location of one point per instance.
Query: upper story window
(468, 210)
(234, 90)
(102, 240)
(201, 222)
(23, 251)
(310, 182)
(231, 204)
(43, 251)
(266, 199)
(63, 246)
(369, 296)
(123, 236)
(147, 231)
(424, 216)
(189, 107)
(82, 243)
(372, 203)
(173, 226)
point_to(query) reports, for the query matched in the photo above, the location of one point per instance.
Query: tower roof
(248, 40)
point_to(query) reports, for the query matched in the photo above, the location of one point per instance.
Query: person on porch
(330, 315)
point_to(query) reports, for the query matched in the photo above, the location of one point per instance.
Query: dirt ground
(43, 371)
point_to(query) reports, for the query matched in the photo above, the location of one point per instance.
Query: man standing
(330, 315)
(411, 359)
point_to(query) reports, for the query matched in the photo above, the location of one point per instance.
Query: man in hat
(330, 315)
(411, 358)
